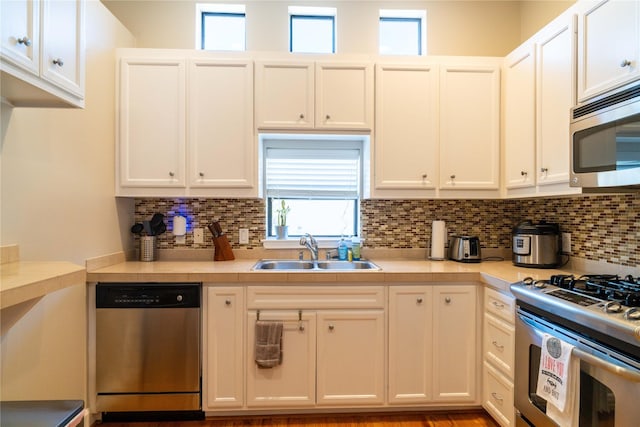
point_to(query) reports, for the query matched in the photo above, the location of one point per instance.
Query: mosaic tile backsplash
(602, 227)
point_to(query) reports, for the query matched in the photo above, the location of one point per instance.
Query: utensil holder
(147, 248)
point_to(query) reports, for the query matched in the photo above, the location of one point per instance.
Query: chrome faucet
(310, 243)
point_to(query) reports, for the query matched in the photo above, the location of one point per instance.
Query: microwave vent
(608, 101)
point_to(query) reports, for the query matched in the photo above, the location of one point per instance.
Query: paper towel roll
(179, 225)
(438, 239)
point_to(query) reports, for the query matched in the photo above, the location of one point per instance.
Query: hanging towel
(268, 343)
(559, 381)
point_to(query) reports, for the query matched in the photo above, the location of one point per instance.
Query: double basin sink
(309, 265)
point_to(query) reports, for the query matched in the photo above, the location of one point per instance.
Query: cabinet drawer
(314, 297)
(499, 344)
(499, 304)
(497, 396)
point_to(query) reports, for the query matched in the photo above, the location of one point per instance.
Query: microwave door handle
(594, 361)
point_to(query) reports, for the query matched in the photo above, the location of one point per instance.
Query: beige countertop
(22, 281)
(499, 274)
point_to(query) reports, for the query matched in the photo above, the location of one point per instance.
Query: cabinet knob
(424, 176)
(419, 300)
(301, 328)
(24, 40)
(201, 174)
(328, 117)
(331, 327)
(302, 116)
(447, 300)
(58, 62)
(544, 170)
(524, 173)
(171, 174)
(624, 63)
(452, 177)
(227, 302)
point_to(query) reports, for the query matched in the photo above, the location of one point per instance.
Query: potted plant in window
(282, 230)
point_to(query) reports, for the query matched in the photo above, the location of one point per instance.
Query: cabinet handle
(624, 63)
(498, 346)
(331, 327)
(301, 328)
(58, 62)
(24, 40)
(419, 300)
(201, 174)
(524, 173)
(424, 176)
(544, 170)
(447, 300)
(497, 397)
(227, 302)
(328, 117)
(452, 177)
(302, 116)
(497, 304)
(171, 174)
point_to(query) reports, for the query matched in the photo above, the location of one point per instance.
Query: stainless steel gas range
(600, 316)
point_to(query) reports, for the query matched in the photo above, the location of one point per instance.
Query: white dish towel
(559, 381)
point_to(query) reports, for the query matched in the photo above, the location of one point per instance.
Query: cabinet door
(498, 396)
(293, 382)
(406, 127)
(220, 127)
(410, 326)
(469, 127)
(608, 46)
(455, 345)
(350, 357)
(555, 96)
(152, 122)
(20, 32)
(519, 116)
(63, 44)
(223, 362)
(285, 95)
(344, 96)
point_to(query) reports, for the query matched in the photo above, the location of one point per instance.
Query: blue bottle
(342, 250)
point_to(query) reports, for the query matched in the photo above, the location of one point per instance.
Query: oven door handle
(628, 374)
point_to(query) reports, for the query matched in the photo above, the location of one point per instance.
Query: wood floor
(427, 419)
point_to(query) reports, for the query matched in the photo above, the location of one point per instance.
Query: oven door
(609, 388)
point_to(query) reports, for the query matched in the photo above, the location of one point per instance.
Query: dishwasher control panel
(147, 295)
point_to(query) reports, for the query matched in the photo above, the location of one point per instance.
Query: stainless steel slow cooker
(536, 245)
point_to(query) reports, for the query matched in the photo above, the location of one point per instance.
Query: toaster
(464, 249)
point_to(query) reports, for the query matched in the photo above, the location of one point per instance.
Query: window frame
(204, 10)
(313, 13)
(418, 16)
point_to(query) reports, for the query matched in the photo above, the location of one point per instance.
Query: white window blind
(312, 173)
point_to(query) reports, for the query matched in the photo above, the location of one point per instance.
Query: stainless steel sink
(308, 265)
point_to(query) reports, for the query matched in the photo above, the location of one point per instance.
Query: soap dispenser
(342, 250)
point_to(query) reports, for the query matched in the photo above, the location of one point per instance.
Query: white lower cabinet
(498, 356)
(433, 344)
(223, 355)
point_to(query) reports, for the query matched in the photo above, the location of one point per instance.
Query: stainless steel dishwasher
(148, 347)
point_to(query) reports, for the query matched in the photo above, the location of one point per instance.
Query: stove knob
(637, 332)
(612, 307)
(632, 314)
(540, 284)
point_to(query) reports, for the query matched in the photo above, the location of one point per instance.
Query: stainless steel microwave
(605, 142)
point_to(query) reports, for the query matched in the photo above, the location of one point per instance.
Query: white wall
(490, 28)
(57, 203)
(57, 173)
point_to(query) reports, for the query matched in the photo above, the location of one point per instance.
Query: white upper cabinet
(63, 44)
(21, 34)
(519, 117)
(406, 144)
(470, 127)
(285, 95)
(43, 52)
(151, 120)
(309, 95)
(608, 46)
(344, 96)
(555, 94)
(222, 149)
